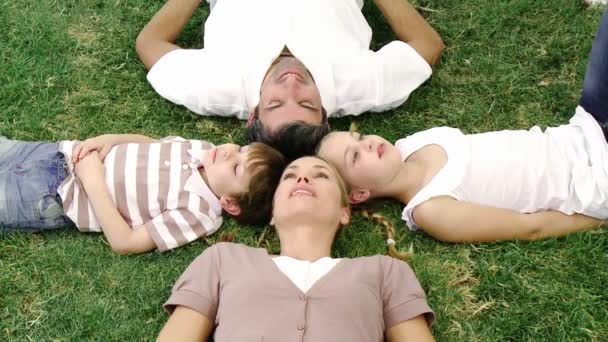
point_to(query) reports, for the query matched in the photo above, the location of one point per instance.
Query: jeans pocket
(49, 207)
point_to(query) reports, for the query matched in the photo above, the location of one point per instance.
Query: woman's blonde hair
(388, 225)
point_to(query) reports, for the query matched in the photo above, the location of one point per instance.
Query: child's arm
(121, 237)
(410, 27)
(186, 324)
(103, 143)
(451, 220)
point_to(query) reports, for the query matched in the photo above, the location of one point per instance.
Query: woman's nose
(302, 179)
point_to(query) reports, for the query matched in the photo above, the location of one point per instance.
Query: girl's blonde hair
(390, 234)
(388, 225)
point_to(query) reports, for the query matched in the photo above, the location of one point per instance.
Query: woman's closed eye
(289, 175)
(322, 175)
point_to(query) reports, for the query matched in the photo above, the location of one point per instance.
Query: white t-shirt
(331, 38)
(564, 168)
(302, 273)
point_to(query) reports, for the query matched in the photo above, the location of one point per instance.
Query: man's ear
(358, 196)
(251, 118)
(230, 205)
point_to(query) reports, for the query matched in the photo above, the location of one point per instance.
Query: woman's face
(310, 193)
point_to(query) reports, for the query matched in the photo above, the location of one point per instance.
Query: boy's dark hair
(264, 166)
(294, 140)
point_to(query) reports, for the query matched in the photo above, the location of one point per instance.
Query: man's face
(289, 94)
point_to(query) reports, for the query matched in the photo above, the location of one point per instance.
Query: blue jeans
(595, 87)
(30, 173)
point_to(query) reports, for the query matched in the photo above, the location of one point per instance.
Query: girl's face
(365, 161)
(310, 192)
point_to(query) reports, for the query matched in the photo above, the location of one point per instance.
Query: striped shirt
(154, 185)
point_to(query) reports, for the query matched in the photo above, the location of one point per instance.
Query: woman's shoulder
(379, 262)
(230, 249)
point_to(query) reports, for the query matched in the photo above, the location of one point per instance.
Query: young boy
(141, 192)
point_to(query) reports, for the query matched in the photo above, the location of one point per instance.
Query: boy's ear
(358, 196)
(251, 118)
(230, 205)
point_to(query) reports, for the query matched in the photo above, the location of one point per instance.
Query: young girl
(511, 184)
(240, 293)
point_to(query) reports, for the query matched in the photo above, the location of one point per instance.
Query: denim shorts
(30, 173)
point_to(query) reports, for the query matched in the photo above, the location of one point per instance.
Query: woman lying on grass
(511, 184)
(245, 294)
(143, 193)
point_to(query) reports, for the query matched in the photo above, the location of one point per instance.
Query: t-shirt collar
(196, 185)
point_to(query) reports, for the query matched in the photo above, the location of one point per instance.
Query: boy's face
(225, 169)
(365, 161)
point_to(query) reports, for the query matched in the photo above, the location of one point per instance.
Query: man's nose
(292, 84)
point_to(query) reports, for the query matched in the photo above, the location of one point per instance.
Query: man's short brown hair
(294, 139)
(265, 166)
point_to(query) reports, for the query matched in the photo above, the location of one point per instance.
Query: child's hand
(90, 168)
(102, 144)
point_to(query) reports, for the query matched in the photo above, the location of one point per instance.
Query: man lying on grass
(143, 193)
(287, 66)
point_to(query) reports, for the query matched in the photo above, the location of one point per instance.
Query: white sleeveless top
(564, 168)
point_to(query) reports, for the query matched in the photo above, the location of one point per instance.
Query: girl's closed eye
(355, 157)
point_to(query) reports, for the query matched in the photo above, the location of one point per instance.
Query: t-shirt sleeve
(178, 227)
(401, 71)
(402, 295)
(383, 79)
(200, 81)
(198, 287)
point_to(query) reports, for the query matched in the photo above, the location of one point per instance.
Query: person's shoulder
(378, 261)
(233, 249)
(383, 263)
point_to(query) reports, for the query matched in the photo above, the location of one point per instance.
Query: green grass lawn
(68, 70)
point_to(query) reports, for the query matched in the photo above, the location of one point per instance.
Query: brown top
(248, 297)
